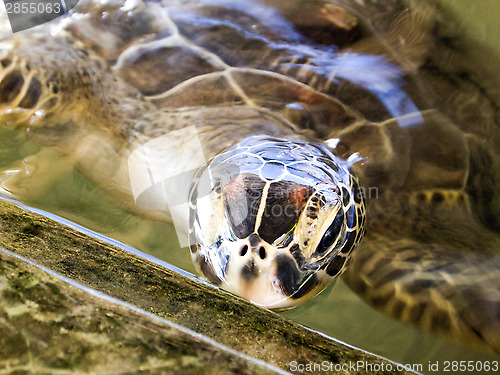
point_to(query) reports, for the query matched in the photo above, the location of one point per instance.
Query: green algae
(55, 325)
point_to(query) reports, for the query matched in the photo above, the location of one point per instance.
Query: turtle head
(274, 220)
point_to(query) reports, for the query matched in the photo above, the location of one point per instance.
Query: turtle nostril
(244, 250)
(262, 252)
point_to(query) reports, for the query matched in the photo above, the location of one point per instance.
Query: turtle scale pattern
(319, 222)
(115, 74)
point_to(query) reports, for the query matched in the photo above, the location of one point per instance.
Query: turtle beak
(258, 272)
(257, 284)
(251, 273)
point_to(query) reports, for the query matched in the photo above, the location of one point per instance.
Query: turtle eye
(331, 234)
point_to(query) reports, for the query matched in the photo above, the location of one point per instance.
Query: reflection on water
(377, 75)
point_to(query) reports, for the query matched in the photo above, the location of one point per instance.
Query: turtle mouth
(259, 272)
(249, 272)
(264, 275)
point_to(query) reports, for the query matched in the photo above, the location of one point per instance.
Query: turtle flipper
(446, 281)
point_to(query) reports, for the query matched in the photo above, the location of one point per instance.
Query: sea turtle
(281, 131)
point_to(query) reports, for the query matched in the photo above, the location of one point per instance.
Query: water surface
(337, 312)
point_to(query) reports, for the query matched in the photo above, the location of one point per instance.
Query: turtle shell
(324, 70)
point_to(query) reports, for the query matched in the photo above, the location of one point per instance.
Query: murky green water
(479, 18)
(337, 312)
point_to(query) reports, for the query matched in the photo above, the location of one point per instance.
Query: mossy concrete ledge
(74, 303)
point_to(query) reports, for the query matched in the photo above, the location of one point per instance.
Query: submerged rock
(73, 303)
